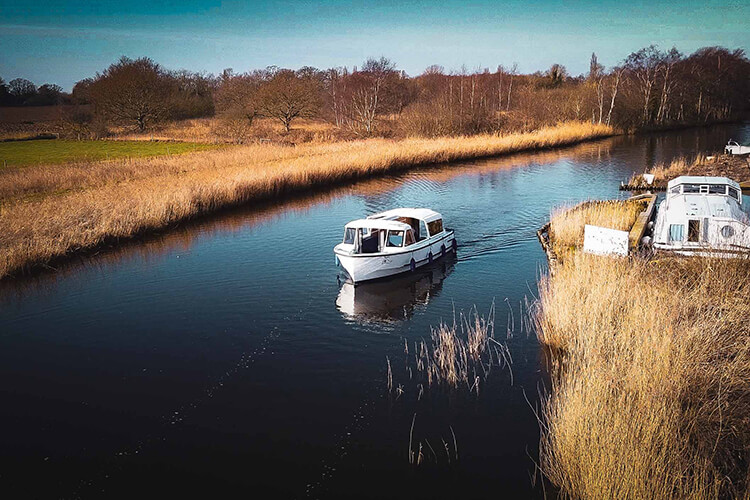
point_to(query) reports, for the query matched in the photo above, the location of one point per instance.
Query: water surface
(225, 358)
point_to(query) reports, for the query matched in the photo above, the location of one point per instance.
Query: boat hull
(367, 267)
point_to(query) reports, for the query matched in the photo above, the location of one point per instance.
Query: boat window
(704, 189)
(409, 237)
(349, 235)
(423, 234)
(727, 231)
(691, 188)
(694, 230)
(717, 189)
(676, 232)
(435, 227)
(734, 193)
(395, 238)
(676, 190)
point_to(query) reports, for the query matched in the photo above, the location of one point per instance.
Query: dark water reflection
(225, 359)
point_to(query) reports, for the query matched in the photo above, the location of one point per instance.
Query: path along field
(55, 151)
(650, 363)
(50, 211)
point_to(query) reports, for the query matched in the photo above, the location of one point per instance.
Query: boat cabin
(393, 230)
(702, 212)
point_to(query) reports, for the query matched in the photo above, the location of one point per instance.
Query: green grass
(24, 153)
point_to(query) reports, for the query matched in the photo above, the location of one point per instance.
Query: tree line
(649, 88)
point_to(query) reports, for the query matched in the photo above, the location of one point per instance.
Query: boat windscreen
(349, 233)
(395, 238)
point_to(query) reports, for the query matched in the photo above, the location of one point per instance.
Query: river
(225, 358)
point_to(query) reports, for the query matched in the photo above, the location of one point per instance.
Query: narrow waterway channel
(226, 359)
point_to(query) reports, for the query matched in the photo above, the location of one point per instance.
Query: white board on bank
(604, 241)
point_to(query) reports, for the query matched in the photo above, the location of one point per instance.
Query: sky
(64, 41)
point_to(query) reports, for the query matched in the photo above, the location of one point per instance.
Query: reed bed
(568, 222)
(664, 172)
(650, 363)
(47, 212)
(734, 167)
(456, 355)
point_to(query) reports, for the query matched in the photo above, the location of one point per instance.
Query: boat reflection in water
(394, 299)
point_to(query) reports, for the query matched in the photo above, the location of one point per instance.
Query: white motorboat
(702, 216)
(393, 242)
(735, 148)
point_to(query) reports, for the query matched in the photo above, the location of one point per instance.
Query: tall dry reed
(650, 368)
(567, 223)
(48, 212)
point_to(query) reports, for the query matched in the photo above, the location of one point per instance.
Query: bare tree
(367, 93)
(335, 83)
(557, 74)
(596, 78)
(288, 95)
(512, 72)
(132, 91)
(617, 74)
(235, 96)
(644, 66)
(669, 60)
(21, 90)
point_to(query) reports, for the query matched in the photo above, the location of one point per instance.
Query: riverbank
(649, 364)
(735, 167)
(49, 212)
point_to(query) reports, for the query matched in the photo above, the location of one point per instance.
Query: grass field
(53, 151)
(650, 363)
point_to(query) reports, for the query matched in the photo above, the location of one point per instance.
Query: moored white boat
(393, 242)
(702, 216)
(735, 148)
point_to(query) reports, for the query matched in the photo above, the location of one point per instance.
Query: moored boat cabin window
(691, 188)
(676, 190)
(395, 238)
(409, 237)
(423, 234)
(717, 189)
(435, 227)
(676, 232)
(349, 235)
(734, 193)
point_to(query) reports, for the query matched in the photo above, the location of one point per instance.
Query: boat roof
(692, 205)
(379, 224)
(424, 214)
(700, 179)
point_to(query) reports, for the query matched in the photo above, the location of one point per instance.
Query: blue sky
(64, 41)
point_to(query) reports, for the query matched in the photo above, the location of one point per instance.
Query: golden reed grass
(734, 167)
(51, 211)
(650, 364)
(568, 222)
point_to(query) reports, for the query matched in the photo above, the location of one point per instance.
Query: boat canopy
(378, 224)
(424, 214)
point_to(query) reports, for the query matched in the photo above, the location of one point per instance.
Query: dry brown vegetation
(50, 211)
(460, 353)
(650, 367)
(567, 223)
(734, 167)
